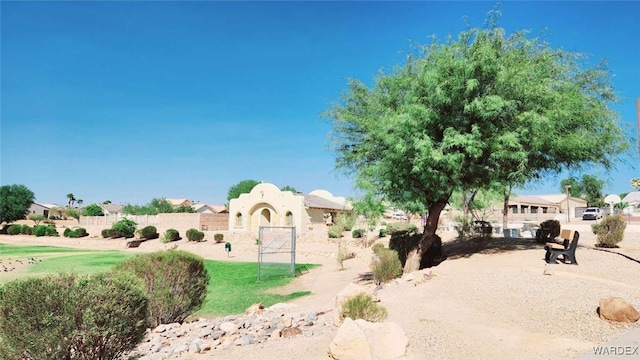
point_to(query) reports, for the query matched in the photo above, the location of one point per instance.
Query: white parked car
(592, 213)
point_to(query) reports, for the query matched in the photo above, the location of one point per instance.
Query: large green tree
(480, 109)
(243, 187)
(588, 188)
(15, 201)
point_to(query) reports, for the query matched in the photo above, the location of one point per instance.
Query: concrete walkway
(626, 346)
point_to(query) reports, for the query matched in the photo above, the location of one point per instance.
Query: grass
(233, 286)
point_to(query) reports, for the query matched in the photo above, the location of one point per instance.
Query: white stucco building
(267, 205)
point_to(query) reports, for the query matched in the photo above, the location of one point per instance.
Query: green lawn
(232, 287)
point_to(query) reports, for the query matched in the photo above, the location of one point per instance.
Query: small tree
(125, 227)
(370, 207)
(74, 213)
(15, 201)
(36, 218)
(243, 187)
(92, 210)
(610, 231)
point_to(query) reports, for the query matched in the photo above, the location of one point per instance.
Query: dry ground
(487, 301)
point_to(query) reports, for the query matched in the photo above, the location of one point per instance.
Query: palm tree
(106, 202)
(80, 201)
(72, 199)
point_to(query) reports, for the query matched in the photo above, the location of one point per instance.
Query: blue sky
(129, 101)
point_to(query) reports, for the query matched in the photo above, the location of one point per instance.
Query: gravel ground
(488, 301)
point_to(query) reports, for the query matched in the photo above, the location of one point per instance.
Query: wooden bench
(567, 249)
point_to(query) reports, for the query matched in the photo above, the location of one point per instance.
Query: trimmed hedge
(26, 230)
(149, 232)
(45, 230)
(176, 283)
(14, 229)
(106, 233)
(218, 237)
(194, 235)
(171, 235)
(72, 317)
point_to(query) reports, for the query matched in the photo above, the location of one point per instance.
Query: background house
(267, 205)
(180, 202)
(111, 209)
(41, 209)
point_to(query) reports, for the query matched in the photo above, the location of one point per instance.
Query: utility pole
(568, 187)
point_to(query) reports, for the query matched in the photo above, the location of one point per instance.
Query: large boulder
(363, 340)
(617, 309)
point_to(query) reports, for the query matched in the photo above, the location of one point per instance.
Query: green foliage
(92, 210)
(384, 232)
(14, 229)
(402, 228)
(67, 232)
(51, 231)
(26, 230)
(369, 205)
(194, 235)
(125, 227)
(218, 237)
(335, 231)
(115, 234)
(70, 317)
(36, 218)
(610, 231)
(289, 188)
(243, 187)
(149, 232)
(377, 247)
(154, 207)
(404, 242)
(184, 209)
(15, 201)
(588, 188)
(386, 266)
(362, 306)
(463, 226)
(483, 107)
(548, 231)
(74, 214)
(81, 232)
(42, 230)
(482, 229)
(357, 233)
(176, 283)
(106, 233)
(170, 235)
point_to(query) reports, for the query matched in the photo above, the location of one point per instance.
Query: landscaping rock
(365, 340)
(617, 309)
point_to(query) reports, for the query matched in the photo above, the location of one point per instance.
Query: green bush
(610, 231)
(377, 247)
(383, 232)
(357, 233)
(400, 228)
(170, 235)
(115, 234)
(548, 231)
(149, 232)
(218, 237)
(464, 226)
(125, 227)
(51, 231)
(194, 235)
(176, 283)
(386, 266)
(335, 232)
(81, 232)
(106, 233)
(40, 230)
(363, 307)
(70, 317)
(26, 230)
(482, 229)
(14, 229)
(67, 232)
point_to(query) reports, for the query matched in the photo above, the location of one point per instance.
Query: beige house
(180, 202)
(267, 205)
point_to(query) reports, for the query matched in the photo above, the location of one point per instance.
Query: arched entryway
(265, 217)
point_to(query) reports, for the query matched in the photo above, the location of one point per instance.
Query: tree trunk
(415, 256)
(505, 211)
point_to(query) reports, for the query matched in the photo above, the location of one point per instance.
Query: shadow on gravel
(463, 248)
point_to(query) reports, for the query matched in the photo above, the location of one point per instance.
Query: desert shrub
(399, 228)
(176, 283)
(26, 230)
(115, 234)
(357, 233)
(51, 230)
(549, 230)
(67, 232)
(341, 255)
(73, 213)
(149, 232)
(40, 230)
(383, 232)
(170, 235)
(482, 229)
(610, 231)
(14, 229)
(386, 266)
(218, 237)
(363, 307)
(105, 233)
(81, 232)
(335, 232)
(194, 235)
(126, 227)
(70, 317)
(464, 225)
(377, 247)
